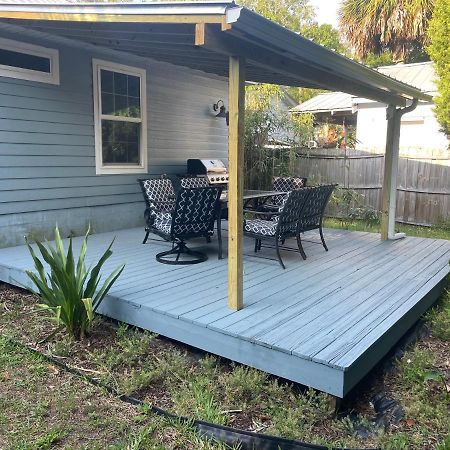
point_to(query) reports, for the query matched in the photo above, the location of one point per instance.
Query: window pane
(107, 104)
(120, 94)
(134, 89)
(120, 105)
(107, 81)
(120, 142)
(120, 83)
(134, 107)
(25, 61)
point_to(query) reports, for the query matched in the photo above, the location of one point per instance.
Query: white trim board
(51, 54)
(100, 168)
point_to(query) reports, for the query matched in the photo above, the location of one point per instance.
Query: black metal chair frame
(287, 225)
(178, 240)
(311, 216)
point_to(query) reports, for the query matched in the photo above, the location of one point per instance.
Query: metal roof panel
(274, 54)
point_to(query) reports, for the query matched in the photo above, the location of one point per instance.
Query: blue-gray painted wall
(47, 156)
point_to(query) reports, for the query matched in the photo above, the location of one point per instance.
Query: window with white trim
(28, 62)
(120, 118)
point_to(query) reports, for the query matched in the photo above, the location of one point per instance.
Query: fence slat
(423, 195)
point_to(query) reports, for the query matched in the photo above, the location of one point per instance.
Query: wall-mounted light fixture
(222, 111)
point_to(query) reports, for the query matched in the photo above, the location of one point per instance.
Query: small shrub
(70, 291)
(366, 214)
(415, 367)
(243, 384)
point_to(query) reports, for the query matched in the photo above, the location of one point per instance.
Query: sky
(326, 11)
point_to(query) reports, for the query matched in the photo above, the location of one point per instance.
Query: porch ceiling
(202, 35)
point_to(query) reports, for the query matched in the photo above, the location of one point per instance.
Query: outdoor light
(220, 106)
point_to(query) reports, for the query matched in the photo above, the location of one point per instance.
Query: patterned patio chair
(283, 224)
(311, 216)
(159, 196)
(194, 216)
(283, 184)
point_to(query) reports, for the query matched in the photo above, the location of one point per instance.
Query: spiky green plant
(70, 291)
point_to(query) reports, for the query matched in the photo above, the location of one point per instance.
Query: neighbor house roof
(327, 102)
(202, 35)
(420, 75)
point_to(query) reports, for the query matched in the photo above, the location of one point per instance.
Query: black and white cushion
(281, 184)
(163, 222)
(261, 227)
(160, 195)
(196, 211)
(297, 183)
(194, 182)
(265, 227)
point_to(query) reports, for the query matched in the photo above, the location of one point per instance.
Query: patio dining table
(254, 197)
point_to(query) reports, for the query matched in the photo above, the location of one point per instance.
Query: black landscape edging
(247, 440)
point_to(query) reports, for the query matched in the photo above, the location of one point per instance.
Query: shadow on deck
(323, 322)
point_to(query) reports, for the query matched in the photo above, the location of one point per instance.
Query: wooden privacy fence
(423, 191)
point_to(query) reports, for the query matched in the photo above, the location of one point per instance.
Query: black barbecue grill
(214, 170)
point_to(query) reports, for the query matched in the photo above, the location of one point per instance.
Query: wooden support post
(200, 33)
(236, 182)
(389, 192)
(391, 159)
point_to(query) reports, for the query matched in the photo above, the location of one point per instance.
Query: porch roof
(202, 35)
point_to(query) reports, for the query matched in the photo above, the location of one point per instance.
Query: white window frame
(28, 74)
(101, 169)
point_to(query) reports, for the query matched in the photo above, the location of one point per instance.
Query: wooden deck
(323, 322)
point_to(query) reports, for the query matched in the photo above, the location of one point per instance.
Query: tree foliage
(271, 141)
(325, 35)
(385, 58)
(439, 50)
(292, 14)
(374, 26)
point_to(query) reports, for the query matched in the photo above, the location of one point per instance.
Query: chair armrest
(262, 213)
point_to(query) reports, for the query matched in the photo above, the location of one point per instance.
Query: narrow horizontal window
(28, 62)
(120, 118)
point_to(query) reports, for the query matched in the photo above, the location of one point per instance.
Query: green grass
(44, 408)
(435, 232)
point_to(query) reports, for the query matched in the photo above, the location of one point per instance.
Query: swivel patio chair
(159, 195)
(311, 215)
(193, 216)
(282, 224)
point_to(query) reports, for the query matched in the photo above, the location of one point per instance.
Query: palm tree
(373, 26)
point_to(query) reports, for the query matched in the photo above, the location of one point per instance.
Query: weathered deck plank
(323, 322)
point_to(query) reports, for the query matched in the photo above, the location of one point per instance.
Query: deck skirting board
(389, 339)
(282, 364)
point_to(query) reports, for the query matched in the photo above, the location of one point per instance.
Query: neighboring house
(419, 128)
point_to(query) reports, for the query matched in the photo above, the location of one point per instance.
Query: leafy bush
(439, 51)
(349, 207)
(366, 214)
(70, 291)
(271, 141)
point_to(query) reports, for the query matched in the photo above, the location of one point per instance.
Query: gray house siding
(47, 155)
